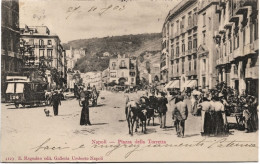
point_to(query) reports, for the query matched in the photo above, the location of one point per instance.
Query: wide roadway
(23, 129)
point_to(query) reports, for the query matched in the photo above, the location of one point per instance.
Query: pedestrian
(84, 98)
(219, 118)
(56, 102)
(205, 108)
(162, 109)
(180, 114)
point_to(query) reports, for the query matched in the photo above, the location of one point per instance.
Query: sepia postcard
(129, 81)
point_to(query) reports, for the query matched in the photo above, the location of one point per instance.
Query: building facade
(208, 23)
(238, 46)
(180, 39)
(39, 47)
(11, 58)
(123, 70)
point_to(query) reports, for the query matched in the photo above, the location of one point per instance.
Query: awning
(168, 84)
(175, 84)
(192, 83)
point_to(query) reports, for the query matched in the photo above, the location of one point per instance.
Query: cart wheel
(16, 105)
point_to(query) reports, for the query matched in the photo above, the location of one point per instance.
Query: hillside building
(123, 70)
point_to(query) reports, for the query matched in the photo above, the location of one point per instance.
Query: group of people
(212, 106)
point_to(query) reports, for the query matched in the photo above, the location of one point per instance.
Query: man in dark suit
(162, 109)
(56, 102)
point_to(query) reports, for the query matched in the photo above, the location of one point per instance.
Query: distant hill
(100, 50)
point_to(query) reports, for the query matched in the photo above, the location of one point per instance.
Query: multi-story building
(179, 54)
(123, 70)
(73, 55)
(208, 23)
(154, 75)
(11, 58)
(237, 42)
(39, 46)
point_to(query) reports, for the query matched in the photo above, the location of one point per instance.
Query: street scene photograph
(129, 81)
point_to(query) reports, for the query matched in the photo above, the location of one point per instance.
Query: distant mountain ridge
(132, 45)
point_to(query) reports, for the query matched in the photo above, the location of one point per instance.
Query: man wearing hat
(56, 102)
(162, 109)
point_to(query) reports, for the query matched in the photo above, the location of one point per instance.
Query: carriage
(25, 92)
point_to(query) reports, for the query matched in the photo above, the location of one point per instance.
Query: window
(41, 53)
(189, 65)
(113, 65)
(203, 82)
(195, 64)
(256, 29)
(189, 21)
(132, 80)
(209, 23)
(251, 32)
(230, 46)
(177, 26)
(177, 67)
(123, 63)
(237, 41)
(204, 37)
(204, 19)
(49, 42)
(189, 44)
(41, 42)
(183, 46)
(49, 53)
(112, 74)
(183, 22)
(195, 43)
(172, 55)
(244, 36)
(182, 67)
(204, 65)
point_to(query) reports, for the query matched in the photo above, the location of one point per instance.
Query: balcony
(231, 57)
(219, 61)
(256, 45)
(122, 67)
(191, 73)
(41, 46)
(176, 74)
(248, 49)
(252, 72)
(238, 53)
(49, 46)
(194, 50)
(183, 30)
(228, 26)
(189, 52)
(225, 59)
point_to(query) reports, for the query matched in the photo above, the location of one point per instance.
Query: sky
(82, 19)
